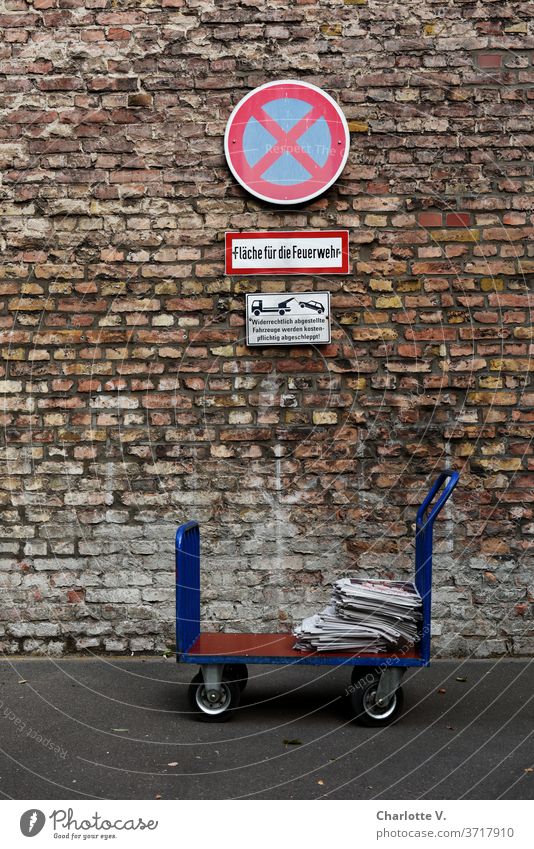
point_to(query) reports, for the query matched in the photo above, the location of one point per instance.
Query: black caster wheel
(363, 704)
(218, 709)
(238, 673)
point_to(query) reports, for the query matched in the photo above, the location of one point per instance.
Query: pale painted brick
(34, 629)
(113, 596)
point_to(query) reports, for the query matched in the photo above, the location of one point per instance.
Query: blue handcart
(375, 696)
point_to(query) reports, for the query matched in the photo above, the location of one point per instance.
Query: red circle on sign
(286, 142)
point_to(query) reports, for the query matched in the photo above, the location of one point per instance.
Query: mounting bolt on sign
(286, 142)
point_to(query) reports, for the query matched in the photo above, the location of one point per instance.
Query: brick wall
(130, 401)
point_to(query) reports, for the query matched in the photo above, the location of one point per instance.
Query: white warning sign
(296, 318)
(287, 252)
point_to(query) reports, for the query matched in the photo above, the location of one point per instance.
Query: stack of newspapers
(365, 616)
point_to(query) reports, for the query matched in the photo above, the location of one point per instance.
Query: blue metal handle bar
(444, 497)
(187, 549)
(423, 550)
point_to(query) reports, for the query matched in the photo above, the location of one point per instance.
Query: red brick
(430, 219)
(490, 60)
(437, 334)
(458, 219)
(118, 34)
(76, 596)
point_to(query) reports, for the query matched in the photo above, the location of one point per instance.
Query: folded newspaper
(364, 615)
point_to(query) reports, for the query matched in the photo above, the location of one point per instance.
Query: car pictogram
(312, 305)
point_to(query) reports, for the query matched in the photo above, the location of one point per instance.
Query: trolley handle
(452, 477)
(187, 553)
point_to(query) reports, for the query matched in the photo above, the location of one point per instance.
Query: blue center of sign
(287, 169)
(287, 111)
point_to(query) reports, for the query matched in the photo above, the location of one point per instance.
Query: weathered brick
(465, 235)
(491, 398)
(130, 400)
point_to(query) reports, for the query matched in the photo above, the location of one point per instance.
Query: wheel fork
(212, 675)
(389, 683)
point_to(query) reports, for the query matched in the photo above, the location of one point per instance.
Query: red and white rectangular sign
(288, 252)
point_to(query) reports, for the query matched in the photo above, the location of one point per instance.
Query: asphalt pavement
(109, 728)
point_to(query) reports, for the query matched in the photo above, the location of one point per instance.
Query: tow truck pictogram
(281, 307)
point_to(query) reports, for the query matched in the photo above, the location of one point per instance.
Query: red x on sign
(287, 142)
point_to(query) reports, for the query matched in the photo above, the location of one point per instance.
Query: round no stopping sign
(286, 142)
